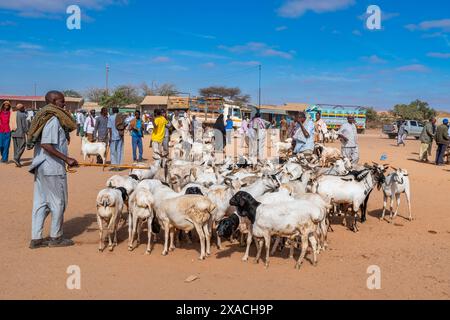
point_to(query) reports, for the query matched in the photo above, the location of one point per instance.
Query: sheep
(394, 185)
(141, 208)
(183, 212)
(93, 149)
(288, 219)
(109, 208)
(117, 181)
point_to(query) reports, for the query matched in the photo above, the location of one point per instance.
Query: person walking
(5, 130)
(243, 132)
(50, 133)
(116, 132)
(158, 135)
(442, 140)
(349, 139)
(426, 139)
(19, 133)
(402, 134)
(137, 132)
(304, 137)
(89, 126)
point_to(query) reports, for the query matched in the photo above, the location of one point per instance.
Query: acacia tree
(234, 94)
(72, 93)
(416, 110)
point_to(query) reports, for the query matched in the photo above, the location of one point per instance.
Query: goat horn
(394, 168)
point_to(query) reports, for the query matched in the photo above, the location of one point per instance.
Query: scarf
(42, 117)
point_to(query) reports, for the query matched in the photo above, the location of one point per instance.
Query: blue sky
(314, 51)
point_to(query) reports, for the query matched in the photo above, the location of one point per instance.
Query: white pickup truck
(413, 127)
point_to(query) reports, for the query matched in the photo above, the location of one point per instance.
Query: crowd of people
(433, 132)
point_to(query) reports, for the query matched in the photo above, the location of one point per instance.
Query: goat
(109, 209)
(93, 149)
(327, 154)
(289, 219)
(141, 208)
(394, 185)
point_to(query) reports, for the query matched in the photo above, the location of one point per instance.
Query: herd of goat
(288, 204)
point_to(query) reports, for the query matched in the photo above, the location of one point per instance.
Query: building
(151, 103)
(37, 102)
(292, 108)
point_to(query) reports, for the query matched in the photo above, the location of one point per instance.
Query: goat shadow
(377, 214)
(77, 226)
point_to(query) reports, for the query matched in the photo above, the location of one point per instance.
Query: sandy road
(414, 257)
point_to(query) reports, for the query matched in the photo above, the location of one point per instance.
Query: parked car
(413, 127)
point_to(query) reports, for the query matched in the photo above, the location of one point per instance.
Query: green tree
(234, 94)
(372, 115)
(72, 93)
(96, 94)
(416, 110)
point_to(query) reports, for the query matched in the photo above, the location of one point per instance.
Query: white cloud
(443, 25)
(29, 46)
(439, 55)
(198, 54)
(281, 28)
(296, 8)
(41, 8)
(245, 63)
(209, 65)
(414, 68)
(259, 48)
(374, 59)
(357, 33)
(161, 59)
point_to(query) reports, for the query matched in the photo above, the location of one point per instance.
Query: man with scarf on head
(49, 134)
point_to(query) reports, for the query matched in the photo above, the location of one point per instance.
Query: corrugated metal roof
(155, 101)
(36, 98)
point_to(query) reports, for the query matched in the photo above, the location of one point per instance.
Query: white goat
(395, 184)
(109, 209)
(93, 149)
(141, 208)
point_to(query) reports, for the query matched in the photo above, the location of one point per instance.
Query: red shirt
(4, 121)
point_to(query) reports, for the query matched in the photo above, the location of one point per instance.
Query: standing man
(89, 126)
(229, 129)
(284, 129)
(426, 139)
(19, 134)
(137, 132)
(5, 130)
(349, 139)
(50, 131)
(101, 130)
(80, 121)
(304, 137)
(219, 133)
(442, 140)
(402, 134)
(158, 135)
(321, 128)
(116, 137)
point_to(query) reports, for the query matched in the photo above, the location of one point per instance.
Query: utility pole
(259, 91)
(35, 93)
(107, 79)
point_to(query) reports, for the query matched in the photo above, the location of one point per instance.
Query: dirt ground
(414, 257)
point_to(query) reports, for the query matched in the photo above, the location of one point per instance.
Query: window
(413, 123)
(237, 113)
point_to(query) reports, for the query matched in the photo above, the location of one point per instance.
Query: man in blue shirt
(229, 129)
(304, 136)
(137, 132)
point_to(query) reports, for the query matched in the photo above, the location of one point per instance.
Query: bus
(336, 115)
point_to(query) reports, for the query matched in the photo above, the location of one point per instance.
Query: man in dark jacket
(219, 133)
(19, 134)
(442, 140)
(426, 139)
